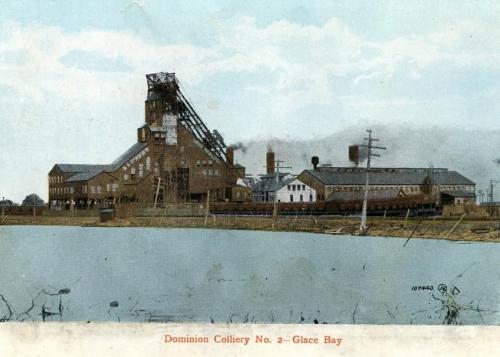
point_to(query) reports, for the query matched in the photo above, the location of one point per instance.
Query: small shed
(106, 214)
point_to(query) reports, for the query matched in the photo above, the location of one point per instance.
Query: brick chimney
(270, 162)
(230, 155)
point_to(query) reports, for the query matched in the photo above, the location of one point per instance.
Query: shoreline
(447, 229)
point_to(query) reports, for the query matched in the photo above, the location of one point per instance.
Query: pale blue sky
(72, 80)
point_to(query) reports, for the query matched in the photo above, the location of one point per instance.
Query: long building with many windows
(439, 182)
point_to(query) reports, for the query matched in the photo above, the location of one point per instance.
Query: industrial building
(281, 186)
(447, 186)
(176, 159)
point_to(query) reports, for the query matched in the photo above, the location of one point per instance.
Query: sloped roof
(271, 186)
(81, 168)
(404, 177)
(83, 176)
(86, 172)
(127, 155)
(459, 193)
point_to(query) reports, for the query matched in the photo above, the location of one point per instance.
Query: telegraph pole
(275, 208)
(491, 196)
(370, 140)
(277, 179)
(491, 192)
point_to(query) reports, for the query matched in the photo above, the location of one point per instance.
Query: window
(288, 187)
(204, 172)
(301, 198)
(291, 197)
(216, 172)
(210, 172)
(210, 162)
(108, 187)
(303, 187)
(125, 177)
(114, 187)
(148, 163)
(293, 187)
(71, 190)
(198, 162)
(310, 198)
(99, 189)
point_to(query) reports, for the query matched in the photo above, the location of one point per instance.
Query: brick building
(175, 159)
(439, 182)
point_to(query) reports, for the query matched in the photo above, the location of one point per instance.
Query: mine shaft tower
(163, 88)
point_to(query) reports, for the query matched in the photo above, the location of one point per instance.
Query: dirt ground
(433, 228)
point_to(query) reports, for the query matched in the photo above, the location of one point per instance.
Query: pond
(199, 275)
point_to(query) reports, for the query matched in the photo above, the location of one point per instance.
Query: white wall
(284, 192)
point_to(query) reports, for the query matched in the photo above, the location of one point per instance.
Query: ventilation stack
(270, 163)
(315, 162)
(230, 155)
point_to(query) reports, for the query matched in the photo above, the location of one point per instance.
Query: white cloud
(301, 59)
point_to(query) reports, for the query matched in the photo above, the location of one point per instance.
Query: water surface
(198, 275)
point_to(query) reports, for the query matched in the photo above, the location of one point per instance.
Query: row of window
(404, 188)
(204, 162)
(377, 188)
(110, 187)
(296, 187)
(56, 179)
(61, 190)
(301, 198)
(210, 172)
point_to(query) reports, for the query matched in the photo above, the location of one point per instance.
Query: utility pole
(277, 178)
(157, 192)
(491, 196)
(370, 140)
(275, 208)
(491, 192)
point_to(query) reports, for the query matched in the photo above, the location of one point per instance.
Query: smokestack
(230, 155)
(270, 162)
(315, 162)
(354, 154)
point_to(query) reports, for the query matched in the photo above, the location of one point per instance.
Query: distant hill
(473, 153)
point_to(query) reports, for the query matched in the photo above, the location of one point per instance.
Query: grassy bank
(467, 230)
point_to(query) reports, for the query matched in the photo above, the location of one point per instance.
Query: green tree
(33, 200)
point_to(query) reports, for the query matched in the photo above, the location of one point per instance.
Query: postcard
(213, 177)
